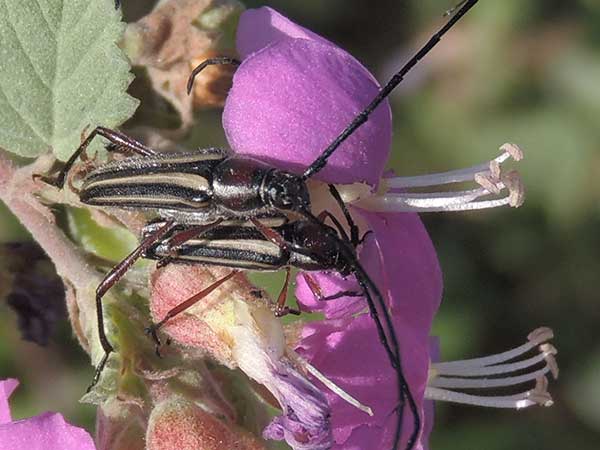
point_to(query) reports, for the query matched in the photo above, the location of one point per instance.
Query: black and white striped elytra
(307, 245)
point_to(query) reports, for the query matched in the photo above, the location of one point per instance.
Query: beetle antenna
(362, 117)
(218, 61)
(387, 337)
(406, 396)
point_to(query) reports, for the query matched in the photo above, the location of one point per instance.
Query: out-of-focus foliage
(526, 72)
(44, 46)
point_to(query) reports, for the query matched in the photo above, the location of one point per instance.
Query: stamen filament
(459, 175)
(535, 338)
(518, 401)
(328, 383)
(435, 202)
(473, 383)
(496, 369)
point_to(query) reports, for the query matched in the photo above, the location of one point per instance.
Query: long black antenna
(362, 117)
(406, 396)
(386, 333)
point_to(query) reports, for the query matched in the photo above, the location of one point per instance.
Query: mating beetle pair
(227, 200)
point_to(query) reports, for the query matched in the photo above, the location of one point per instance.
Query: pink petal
(406, 270)
(261, 27)
(331, 283)
(290, 100)
(412, 276)
(305, 423)
(48, 431)
(350, 354)
(6, 389)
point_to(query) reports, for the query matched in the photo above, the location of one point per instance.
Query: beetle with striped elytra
(205, 189)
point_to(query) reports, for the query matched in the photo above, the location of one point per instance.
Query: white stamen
(460, 175)
(525, 399)
(496, 369)
(535, 338)
(328, 383)
(481, 383)
(494, 188)
(446, 380)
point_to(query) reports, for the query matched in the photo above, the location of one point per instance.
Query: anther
(540, 394)
(540, 335)
(513, 150)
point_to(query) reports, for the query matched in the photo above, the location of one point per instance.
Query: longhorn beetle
(204, 190)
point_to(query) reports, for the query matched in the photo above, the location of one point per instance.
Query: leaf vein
(23, 119)
(50, 27)
(27, 55)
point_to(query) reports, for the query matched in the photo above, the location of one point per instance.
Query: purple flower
(47, 431)
(293, 93)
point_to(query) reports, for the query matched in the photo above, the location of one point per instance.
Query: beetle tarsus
(99, 370)
(152, 331)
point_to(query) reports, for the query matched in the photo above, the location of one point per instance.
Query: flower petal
(290, 100)
(407, 272)
(304, 423)
(261, 27)
(329, 284)
(411, 273)
(6, 389)
(48, 431)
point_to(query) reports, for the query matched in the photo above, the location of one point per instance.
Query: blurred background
(525, 72)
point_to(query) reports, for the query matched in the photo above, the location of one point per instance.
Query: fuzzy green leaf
(60, 71)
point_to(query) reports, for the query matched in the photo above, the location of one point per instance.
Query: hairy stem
(17, 191)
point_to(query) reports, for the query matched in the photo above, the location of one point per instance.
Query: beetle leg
(353, 227)
(327, 215)
(152, 330)
(271, 235)
(316, 290)
(281, 309)
(118, 142)
(364, 236)
(110, 280)
(274, 237)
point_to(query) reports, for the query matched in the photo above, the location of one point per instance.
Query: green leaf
(60, 71)
(112, 244)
